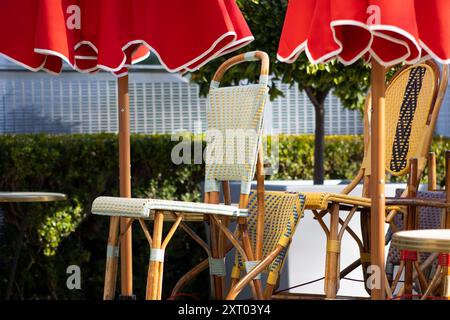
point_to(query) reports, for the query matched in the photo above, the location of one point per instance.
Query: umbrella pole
(377, 184)
(126, 267)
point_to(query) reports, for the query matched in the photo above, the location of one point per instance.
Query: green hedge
(84, 167)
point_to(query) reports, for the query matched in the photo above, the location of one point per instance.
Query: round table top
(31, 197)
(430, 240)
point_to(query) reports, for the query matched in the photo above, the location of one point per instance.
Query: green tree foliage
(349, 83)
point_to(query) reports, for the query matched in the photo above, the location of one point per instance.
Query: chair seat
(142, 208)
(431, 240)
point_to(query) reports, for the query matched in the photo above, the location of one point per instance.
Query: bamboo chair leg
(215, 248)
(433, 284)
(217, 281)
(112, 260)
(221, 249)
(160, 281)
(428, 262)
(268, 292)
(432, 180)
(411, 224)
(322, 224)
(164, 244)
(350, 268)
(408, 285)
(235, 290)
(154, 266)
(414, 278)
(423, 284)
(245, 250)
(389, 294)
(397, 276)
(365, 237)
(332, 260)
(249, 252)
(446, 284)
(446, 268)
(189, 276)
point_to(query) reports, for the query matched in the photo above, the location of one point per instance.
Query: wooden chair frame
(222, 240)
(240, 239)
(334, 205)
(412, 267)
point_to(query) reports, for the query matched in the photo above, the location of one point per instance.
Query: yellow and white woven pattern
(235, 120)
(409, 98)
(115, 206)
(283, 211)
(141, 208)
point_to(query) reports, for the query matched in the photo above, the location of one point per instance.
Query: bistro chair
(233, 112)
(283, 211)
(413, 100)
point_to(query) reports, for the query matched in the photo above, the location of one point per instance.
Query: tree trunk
(319, 145)
(318, 100)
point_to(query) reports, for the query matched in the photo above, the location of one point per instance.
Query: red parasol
(109, 35)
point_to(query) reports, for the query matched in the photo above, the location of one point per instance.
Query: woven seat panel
(235, 118)
(408, 101)
(429, 218)
(283, 211)
(141, 208)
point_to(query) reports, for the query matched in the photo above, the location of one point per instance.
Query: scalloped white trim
(186, 66)
(432, 54)
(375, 30)
(23, 65)
(336, 23)
(233, 45)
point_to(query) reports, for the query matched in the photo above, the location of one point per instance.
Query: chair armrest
(142, 208)
(417, 202)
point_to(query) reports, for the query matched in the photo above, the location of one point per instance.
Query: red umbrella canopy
(108, 35)
(389, 31)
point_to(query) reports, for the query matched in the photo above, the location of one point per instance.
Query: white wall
(160, 103)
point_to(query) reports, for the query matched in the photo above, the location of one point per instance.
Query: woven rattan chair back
(413, 100)
(235, 120)
(283, 211)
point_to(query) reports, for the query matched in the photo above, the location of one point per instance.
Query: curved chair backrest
(235, 121)
(283, 212)
(413, 100)
(234, 150)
